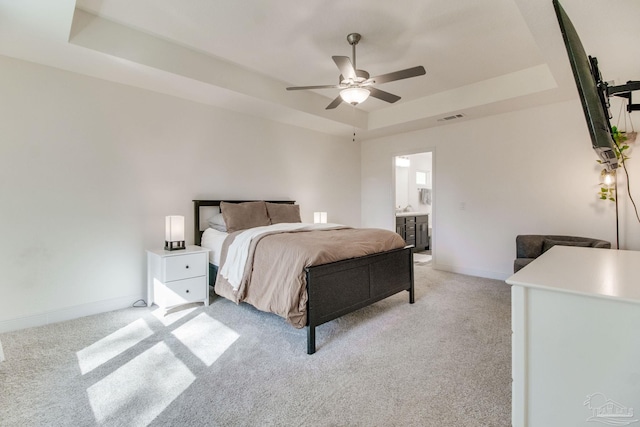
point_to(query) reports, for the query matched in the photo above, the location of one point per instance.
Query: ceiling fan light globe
(354, 95)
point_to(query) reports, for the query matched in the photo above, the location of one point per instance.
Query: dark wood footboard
(342, 287)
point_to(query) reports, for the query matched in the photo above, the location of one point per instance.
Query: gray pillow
(548, 244)
(280, 212)
(240, 216)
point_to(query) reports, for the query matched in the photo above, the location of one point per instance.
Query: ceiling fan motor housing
(362, 75)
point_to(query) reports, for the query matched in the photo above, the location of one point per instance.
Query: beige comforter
(274, 276)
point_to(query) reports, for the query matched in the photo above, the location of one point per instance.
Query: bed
(330, 289)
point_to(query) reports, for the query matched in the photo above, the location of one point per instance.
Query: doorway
(414, 202)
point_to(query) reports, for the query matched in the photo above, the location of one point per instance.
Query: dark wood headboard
(197, 204)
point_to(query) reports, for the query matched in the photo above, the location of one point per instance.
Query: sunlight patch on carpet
(167, 318)
(207, 338)
(141, 389)
(112, 345)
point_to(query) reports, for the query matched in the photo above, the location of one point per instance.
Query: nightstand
(177, 277)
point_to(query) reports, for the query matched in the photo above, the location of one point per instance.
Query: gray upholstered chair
(531, 246)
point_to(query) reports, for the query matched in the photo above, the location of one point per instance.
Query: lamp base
(174, 246)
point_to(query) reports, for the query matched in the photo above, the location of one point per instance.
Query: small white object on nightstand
(177, 277)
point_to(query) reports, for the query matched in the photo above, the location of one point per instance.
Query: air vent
(454, 117)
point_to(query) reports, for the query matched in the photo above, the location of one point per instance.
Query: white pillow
(217, 222)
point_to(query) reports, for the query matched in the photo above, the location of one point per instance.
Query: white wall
(89, 169)
(526, 172)
(629, 222)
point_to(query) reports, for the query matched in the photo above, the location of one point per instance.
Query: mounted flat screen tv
(592, 90)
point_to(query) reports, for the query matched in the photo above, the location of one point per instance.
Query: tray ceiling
(481, 57)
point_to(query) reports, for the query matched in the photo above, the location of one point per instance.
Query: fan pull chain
(353, 120)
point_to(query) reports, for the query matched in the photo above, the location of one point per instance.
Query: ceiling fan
(356, 84)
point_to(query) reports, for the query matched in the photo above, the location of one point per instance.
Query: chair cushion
(531, 246)
(520, 263)
(549, 243)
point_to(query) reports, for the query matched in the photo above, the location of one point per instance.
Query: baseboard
(471, 271)
(68, 313)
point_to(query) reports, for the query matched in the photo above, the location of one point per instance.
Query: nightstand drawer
(184, 266)
(181, 291)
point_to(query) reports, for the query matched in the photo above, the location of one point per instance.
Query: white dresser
(177, 277)
(576, 339)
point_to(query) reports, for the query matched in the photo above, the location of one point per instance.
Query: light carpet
(443, 361)
(421, 258)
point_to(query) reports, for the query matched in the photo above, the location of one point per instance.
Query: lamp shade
(320, 217)
(354, 95)
(174, 232)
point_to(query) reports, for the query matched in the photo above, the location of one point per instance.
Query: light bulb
(609, 178)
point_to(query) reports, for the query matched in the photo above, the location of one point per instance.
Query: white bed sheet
(213, 240)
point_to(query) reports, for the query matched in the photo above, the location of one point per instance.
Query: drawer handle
(187, 290)
(187, 266)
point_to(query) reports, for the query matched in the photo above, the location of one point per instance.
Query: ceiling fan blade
(334, 103)
(398, 75)
(380, 94)
(345, 66)
(314, 87)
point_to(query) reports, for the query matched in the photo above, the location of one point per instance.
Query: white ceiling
(481, 57)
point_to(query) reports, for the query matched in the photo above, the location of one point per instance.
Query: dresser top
(600, 273)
